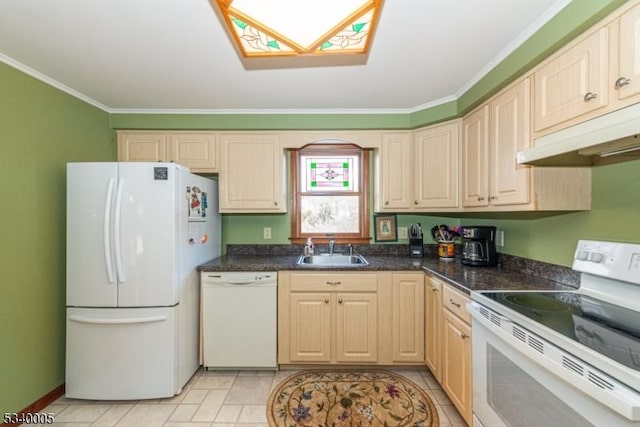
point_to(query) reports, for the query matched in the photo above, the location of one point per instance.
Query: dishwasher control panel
(240, 277)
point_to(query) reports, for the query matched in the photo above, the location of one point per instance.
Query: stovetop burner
(537, 302)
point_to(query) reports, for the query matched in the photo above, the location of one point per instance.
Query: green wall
(41, 129)
(615, 215)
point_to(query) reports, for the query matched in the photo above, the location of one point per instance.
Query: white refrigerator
(135, 234)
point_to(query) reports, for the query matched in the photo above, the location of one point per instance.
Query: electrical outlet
(403, 233)
(500, 238)
(266, 233)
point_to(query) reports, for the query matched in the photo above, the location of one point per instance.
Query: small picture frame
(385, 228)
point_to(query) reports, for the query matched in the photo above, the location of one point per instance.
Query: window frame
(361, 237)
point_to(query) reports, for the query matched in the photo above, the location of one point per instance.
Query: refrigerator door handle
(119, 321)
(118, 222)
(107, 229)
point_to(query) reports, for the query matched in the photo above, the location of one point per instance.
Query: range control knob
(596, 257)
(582, 255)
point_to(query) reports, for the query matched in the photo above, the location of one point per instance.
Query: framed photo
(385, 228)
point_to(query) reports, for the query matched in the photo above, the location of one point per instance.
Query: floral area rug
(349, 398)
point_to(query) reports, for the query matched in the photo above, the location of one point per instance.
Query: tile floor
(215, 399)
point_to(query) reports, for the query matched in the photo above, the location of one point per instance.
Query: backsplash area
(557, 273)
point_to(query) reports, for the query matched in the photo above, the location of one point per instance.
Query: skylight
(272, 28)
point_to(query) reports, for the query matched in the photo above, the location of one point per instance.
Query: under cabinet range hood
(611, 138)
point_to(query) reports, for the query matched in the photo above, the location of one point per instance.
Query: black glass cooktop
(609, 329)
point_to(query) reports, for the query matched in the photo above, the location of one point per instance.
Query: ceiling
(175, 56)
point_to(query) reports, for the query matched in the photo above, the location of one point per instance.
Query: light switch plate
(500, 238)
(266, 233)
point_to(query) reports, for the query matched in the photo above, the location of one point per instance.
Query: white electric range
(562, 358)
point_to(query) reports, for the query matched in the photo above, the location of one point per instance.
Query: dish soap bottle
(308, 248)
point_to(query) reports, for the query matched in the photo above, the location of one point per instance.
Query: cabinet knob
(386, 202)
(333, 283)
(415, 202)
(590, 96)
(434, 289)
(480, 198)
(275, 203)
(452, 302)
(463, 335)
(326, 300)
(622, 81)
(492, 197)
(339, 300)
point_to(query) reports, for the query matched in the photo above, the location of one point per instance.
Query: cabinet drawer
(456, 302)
(339, 282)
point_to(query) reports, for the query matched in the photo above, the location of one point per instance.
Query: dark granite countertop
(513, 273)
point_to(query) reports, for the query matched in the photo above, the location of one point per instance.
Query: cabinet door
(142, 147)
(572, 84)
(395, 175)
(509, 133)
(408, 317)
(456, 363)
(475, 157)
(251, 173)
(627, 82)
(356, 328)
(433, 328)
(310, 327)
(436, 166)
(195, 150)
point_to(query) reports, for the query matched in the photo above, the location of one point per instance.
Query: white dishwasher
(239, 320)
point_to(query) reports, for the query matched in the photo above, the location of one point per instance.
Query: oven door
(512, 389)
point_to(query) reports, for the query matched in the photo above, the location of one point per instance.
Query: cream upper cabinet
(509, 132)
(418, 171)
(436, 166)
(626, 78)
(142, 146)
(252, 175)
(193, 149)
(408, 317)
(573, 83)
(492, 180)
(433, 326)
(475, 158)
(394, 173)
(196, 150)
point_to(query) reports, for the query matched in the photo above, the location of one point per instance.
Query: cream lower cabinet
(433, 326)
(448, 343)
(456, 351)
(252, 173)
(350, 318)
(327, 318)
(195, 150)
(408, 317)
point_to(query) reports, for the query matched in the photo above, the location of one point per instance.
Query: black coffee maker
(479, 246)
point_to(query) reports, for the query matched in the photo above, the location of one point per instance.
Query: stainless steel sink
(332, 260)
